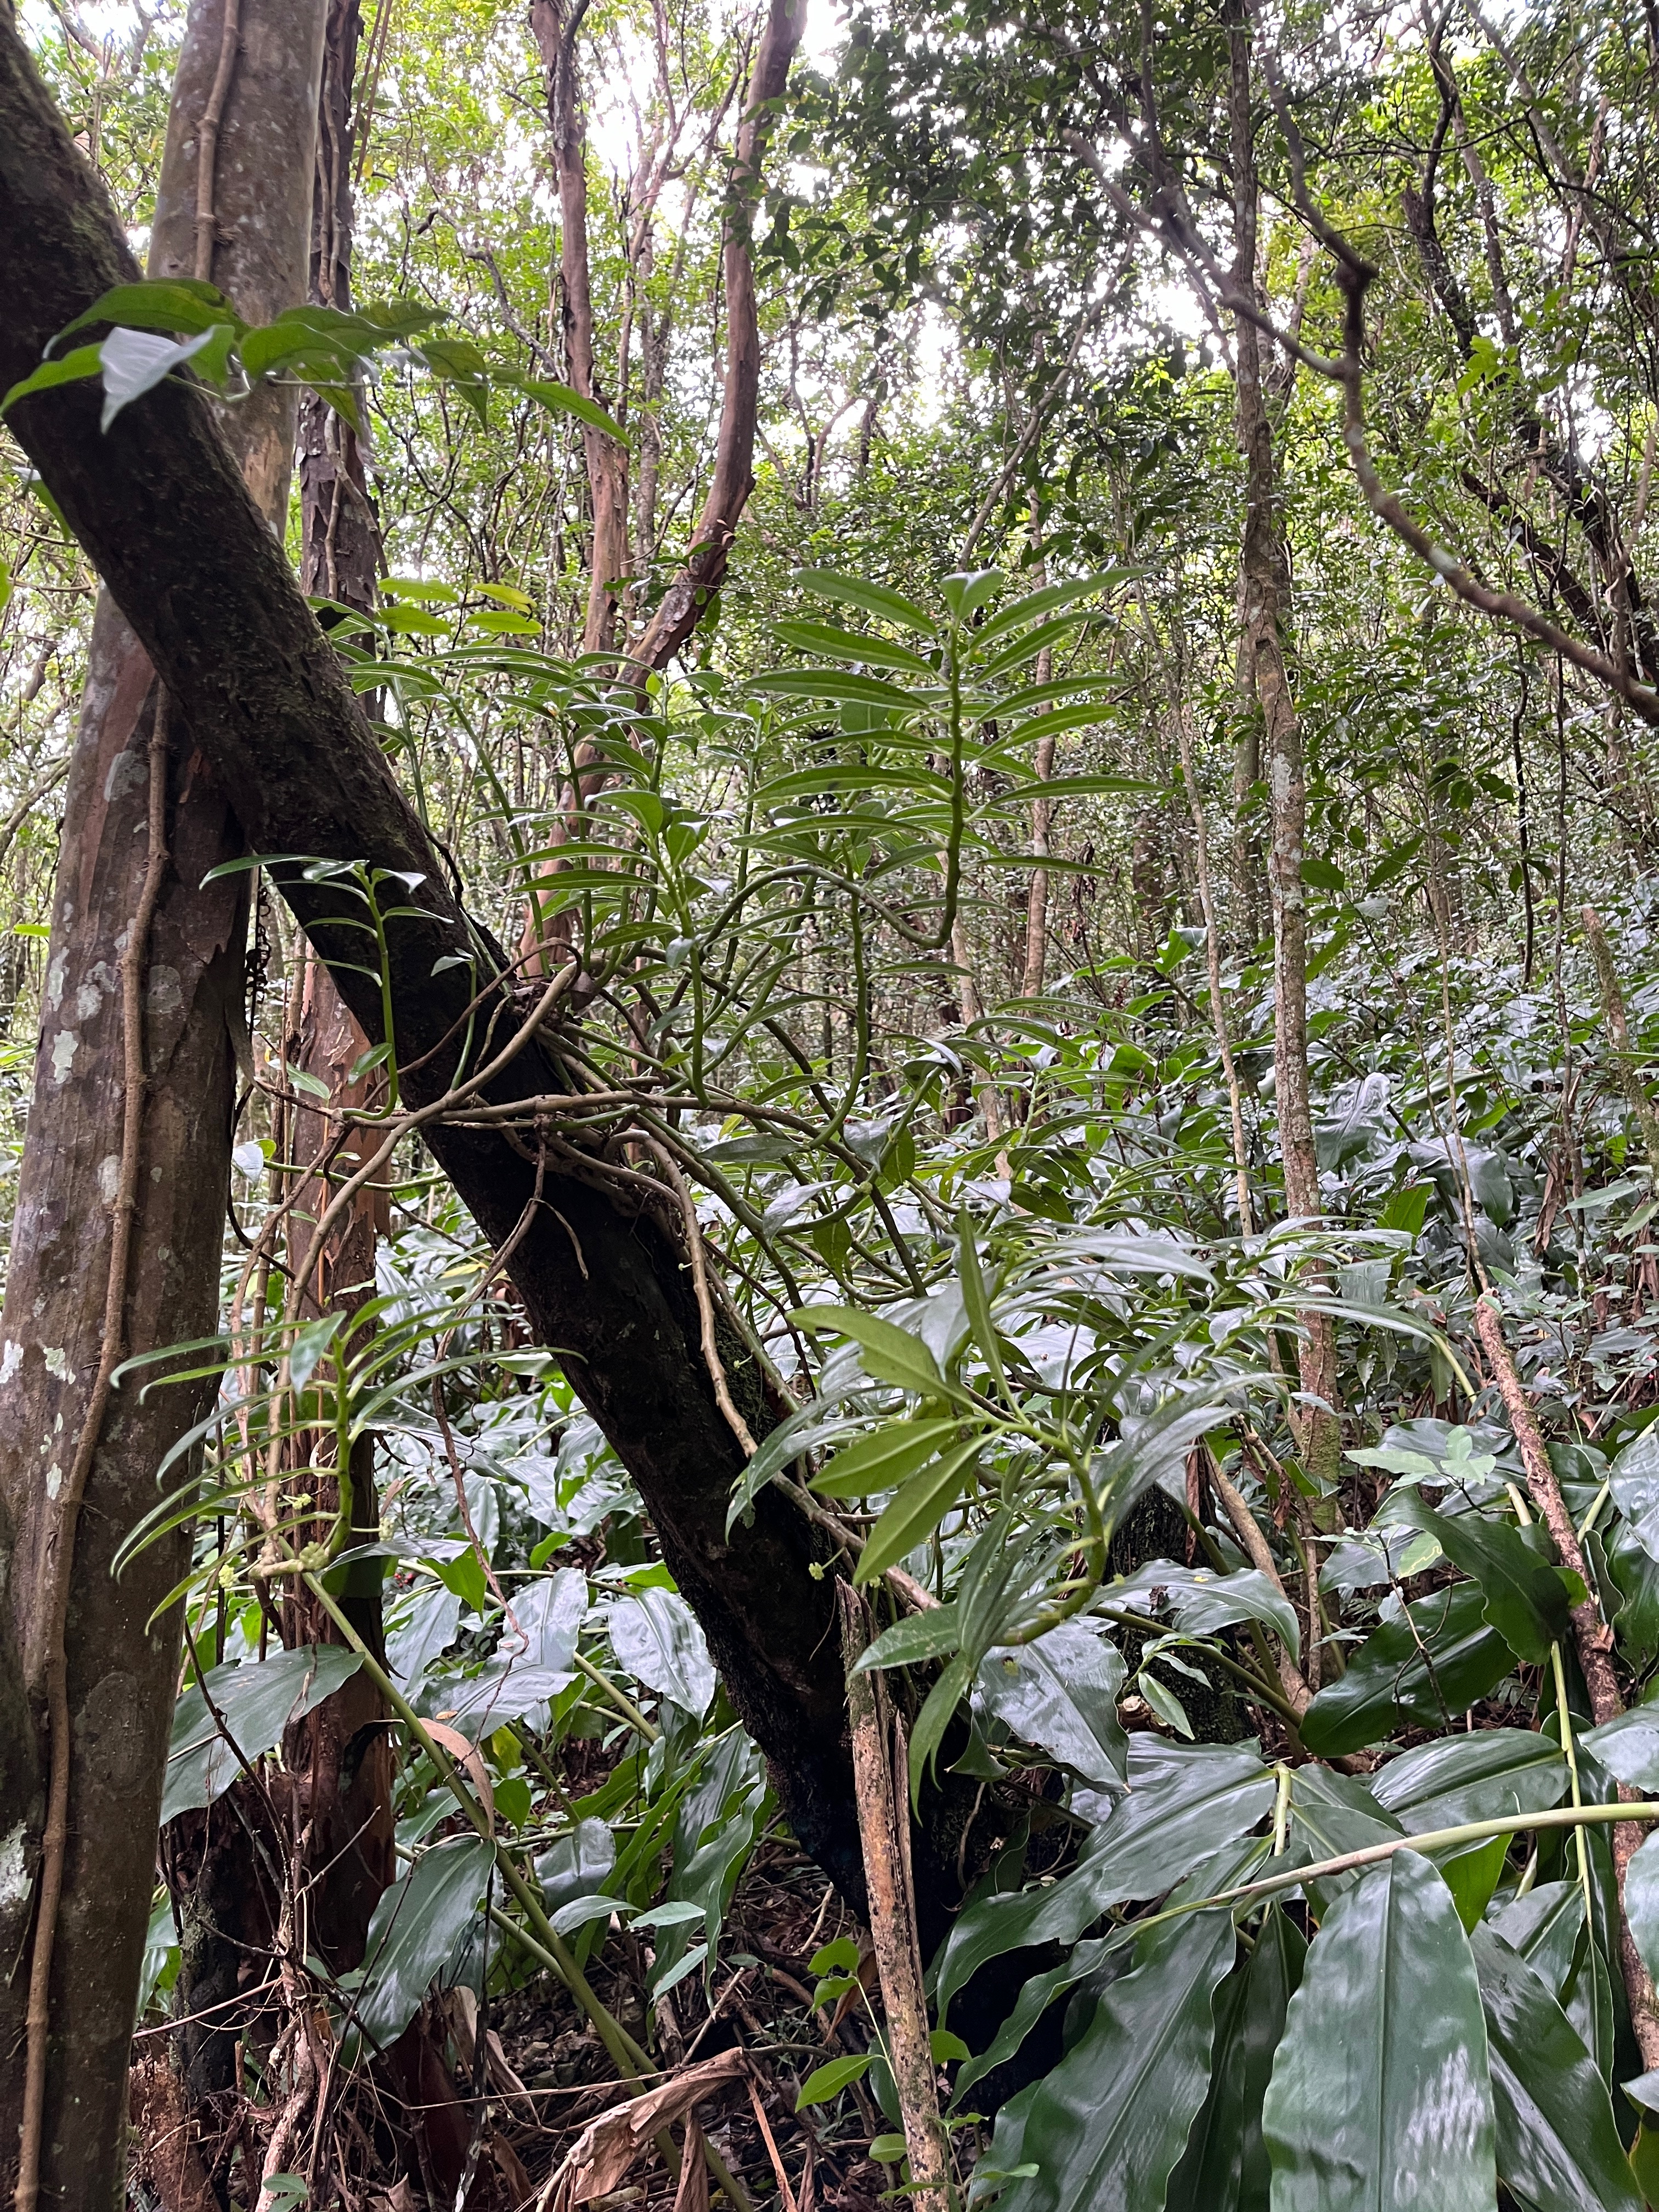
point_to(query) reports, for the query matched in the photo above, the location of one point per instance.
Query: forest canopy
(829, 1106)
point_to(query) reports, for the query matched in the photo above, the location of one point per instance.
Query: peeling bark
(121, 1670)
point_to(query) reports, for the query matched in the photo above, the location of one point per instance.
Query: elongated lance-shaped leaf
(917, 1510)
(870, 598)
(1107, 2126)
(885, 1458)
(1225, 2167)
(1558, 2143)
(1527, 1601)
(1390, 1680)
(1380, 2094)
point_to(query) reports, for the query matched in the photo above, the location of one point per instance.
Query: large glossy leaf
(1060, 1693)
(657, 1638)
(1390, 1683)
(1107, 2126)
(1642, 1901)
(1527, 1601)
(1543, 1927)
(1634, 1476)
(1458, 1778)
(1035, 1998)
(1225, 2167)
(577, 1865)
(886, 1457)
(256, 1701)
(1558, 2146)
(1200, 1600)
(1380, 2095)
(1629, 1746)
(1331, 1814)
(416, 1925)
(1183, 1801)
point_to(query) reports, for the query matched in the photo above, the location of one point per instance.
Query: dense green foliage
(981, 1217)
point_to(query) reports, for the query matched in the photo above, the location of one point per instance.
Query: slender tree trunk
(554, 25)
(693, 590)
(1266, 597)
(342, 1752)
(340, 556)
(1036, 898)
(65, 1612)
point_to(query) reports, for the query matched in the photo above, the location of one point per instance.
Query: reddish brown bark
(122, 1671)
(555, 25)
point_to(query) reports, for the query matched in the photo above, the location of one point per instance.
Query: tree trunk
(1264, 609)
(554, 27)
(341, 559)
(64, 1609)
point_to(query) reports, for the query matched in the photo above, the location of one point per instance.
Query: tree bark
(1265, 610)
(161, 512)
(120, 1669)
(554, 26)
(341, 554)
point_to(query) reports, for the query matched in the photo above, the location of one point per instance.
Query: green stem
(1433, 1839)
(1571, 1749)
(619, 1698)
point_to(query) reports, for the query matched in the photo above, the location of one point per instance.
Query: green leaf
(885, 1458)
(890, 1354)
(560, 399)
(85, 362)
(659, 1640)
(1460, 1778)
(1108, 2124)
(966, 590)
(829, 639)
(458, 361)
(919, 1636)
(1558, 2143)
(1184, 1802)
(1527, 1601)
(1165, 1703)
(164, 303)
(1629, 1746)
(935, 1717)
(834, 683)
(415, 1927)
(464, 1575)
(1035, 1996)
(1642, 1900)
(1389, 1683)
(1331, 1814)
(1048, 601)
(258, 1701)
(827, 2082)
(1381, 2073)
(1225, 2167)
(1543, 1927)
(921, 1503)
(1060, 1693)
(1200, 1600)
(976, 1301)
(870, 598)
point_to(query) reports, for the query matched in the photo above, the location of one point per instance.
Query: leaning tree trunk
(1265, 596)
(88, 1678)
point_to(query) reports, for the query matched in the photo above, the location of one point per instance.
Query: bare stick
(884, 1824)
(1593, 1640)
